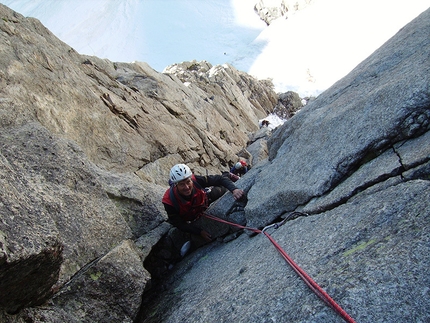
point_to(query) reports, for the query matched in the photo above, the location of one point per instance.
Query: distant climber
(240, 168)
(265, 123)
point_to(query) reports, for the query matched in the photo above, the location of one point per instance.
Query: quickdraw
(302, 274)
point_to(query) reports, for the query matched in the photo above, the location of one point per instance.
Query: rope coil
(300, 272)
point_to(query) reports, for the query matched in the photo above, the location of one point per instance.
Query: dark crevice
(118, 111)
(403, 168)
(79, 273)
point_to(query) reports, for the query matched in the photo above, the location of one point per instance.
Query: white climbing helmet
(238, 165)
(180, 172)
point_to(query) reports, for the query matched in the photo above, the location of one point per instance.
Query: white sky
(306, 53)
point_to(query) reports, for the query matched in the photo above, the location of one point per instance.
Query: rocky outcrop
(288, 104)
(131, 102)
(269, 10)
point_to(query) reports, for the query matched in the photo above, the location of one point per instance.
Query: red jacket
(190, 209)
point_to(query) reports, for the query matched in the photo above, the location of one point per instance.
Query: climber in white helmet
(187, 199)
(240, 168)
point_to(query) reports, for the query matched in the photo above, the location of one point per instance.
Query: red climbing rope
(306, 278)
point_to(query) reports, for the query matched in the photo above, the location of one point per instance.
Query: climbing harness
(302, 274)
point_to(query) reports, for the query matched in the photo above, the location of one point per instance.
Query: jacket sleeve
(175, 220)
(216, 180)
